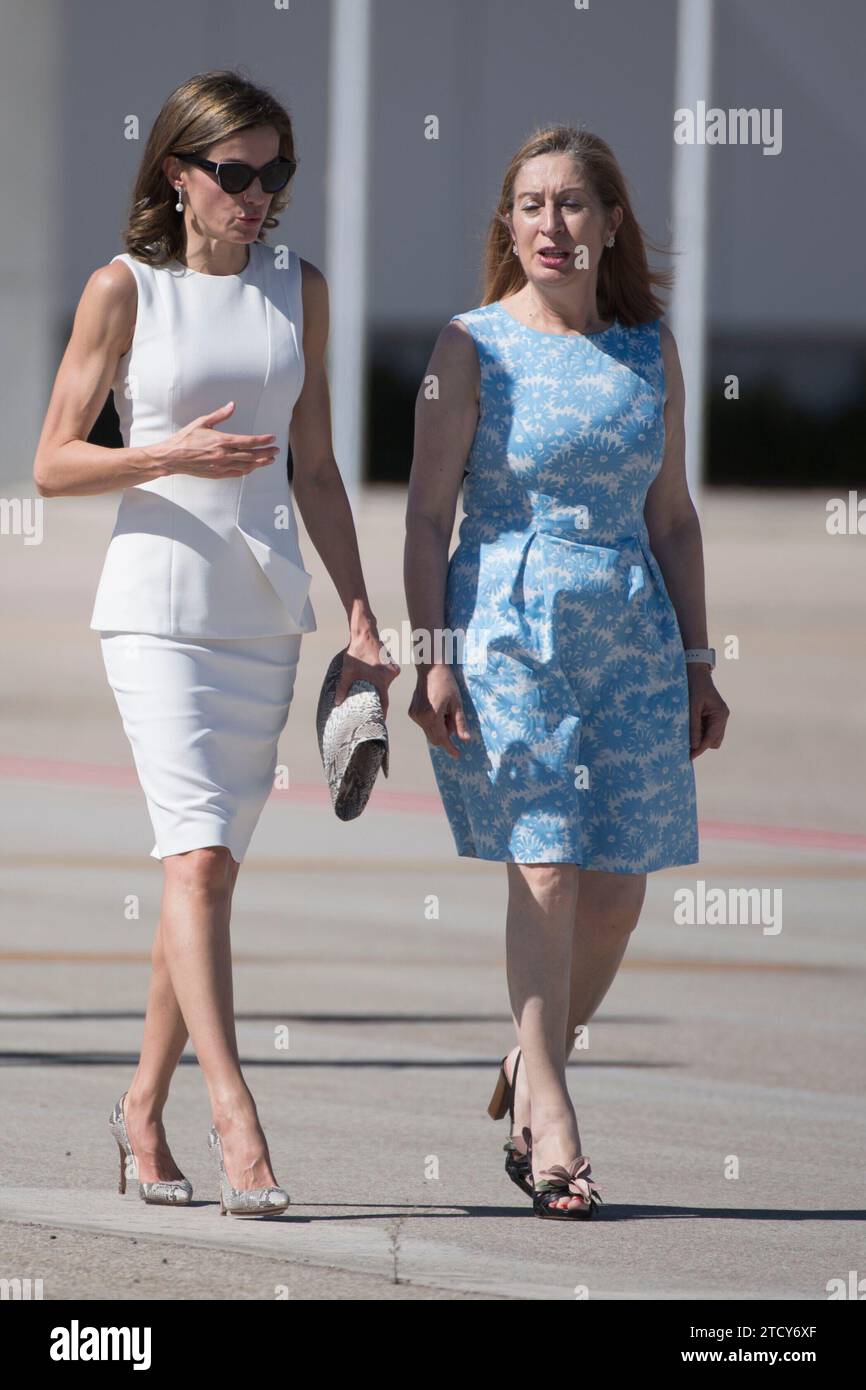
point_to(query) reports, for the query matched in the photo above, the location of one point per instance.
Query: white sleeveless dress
(203, 599)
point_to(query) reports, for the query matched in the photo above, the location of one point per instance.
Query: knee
(619, 916)
(553, 886)
(207, 870)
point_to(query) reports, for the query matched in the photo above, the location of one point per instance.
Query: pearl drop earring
(178, 207)
(611, 241)
(514, 248)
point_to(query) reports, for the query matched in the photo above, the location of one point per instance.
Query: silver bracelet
(705, 654)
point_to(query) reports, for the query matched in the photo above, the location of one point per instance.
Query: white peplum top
(210, 557)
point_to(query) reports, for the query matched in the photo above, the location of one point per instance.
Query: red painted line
(783, 835)
(57, 770)
(384, 799)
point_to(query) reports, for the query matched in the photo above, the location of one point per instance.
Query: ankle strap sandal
(518, 1165)
(572, 1181)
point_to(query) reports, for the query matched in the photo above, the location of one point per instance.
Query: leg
(608, 908)
(542, 901)
(196, 912)
(165, 1037)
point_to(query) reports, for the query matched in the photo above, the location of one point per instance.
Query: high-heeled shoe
(253, 1201)
(518, 1165)
(572, 1181)
(174, 1192)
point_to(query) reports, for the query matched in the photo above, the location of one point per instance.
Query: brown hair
(625, 281)
(200, 112)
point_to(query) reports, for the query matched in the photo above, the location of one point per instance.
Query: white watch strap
(706, 654)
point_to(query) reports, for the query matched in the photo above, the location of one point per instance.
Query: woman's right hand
(437, 707)
(206, 452)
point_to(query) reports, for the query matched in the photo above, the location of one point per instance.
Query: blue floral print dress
(567, 650)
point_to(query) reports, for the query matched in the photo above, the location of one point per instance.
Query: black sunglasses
(234, 178)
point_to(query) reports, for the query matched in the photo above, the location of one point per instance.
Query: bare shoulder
(454, 359)
(314, 286)
(311, 273)
(668, 341)
(316, 311)
(670, 356)
(456, 346)
(109, 303)
(112, 282)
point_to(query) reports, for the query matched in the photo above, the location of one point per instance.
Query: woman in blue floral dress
(569, 684)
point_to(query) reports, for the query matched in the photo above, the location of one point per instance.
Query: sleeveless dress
(566, 645)
(203, 598)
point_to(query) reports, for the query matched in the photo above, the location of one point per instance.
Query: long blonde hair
(625, 281)
(200, 112)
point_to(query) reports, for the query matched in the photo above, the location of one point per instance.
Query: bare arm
(317, 484)
(66, 465)
(446, 416)
(104, 324)
(675, 538)
(322, 500)
(671, 518)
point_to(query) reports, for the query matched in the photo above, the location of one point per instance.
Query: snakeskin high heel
(175, 1192)
(572, 1181)
(518, 1165)
(253, 1201)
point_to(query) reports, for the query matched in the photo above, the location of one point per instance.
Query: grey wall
(786, 230)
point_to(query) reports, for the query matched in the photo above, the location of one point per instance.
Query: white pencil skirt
(203, 716)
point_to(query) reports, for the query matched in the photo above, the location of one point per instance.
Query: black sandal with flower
(518, 1164)
(559, 1181)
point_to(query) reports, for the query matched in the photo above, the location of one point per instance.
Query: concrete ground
(720, 1098)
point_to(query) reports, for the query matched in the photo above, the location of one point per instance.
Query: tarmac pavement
(720, 1097)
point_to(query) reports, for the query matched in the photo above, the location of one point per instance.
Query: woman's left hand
(362, 660)
(708, 713)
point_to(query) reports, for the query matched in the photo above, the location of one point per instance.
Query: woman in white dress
(213, 343)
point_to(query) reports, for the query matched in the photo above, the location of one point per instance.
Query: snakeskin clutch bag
(353, 741)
